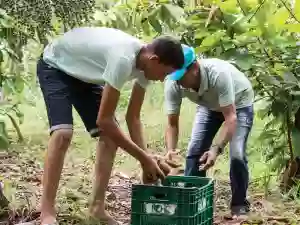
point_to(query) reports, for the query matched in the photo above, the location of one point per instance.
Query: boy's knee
(193, 148)
(62, 137)
(237, 152)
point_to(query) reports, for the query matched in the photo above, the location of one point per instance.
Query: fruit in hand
(168, 166)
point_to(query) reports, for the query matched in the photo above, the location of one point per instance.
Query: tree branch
(290, 11)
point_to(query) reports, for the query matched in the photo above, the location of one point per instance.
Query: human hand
(208, 159)
(171, 154)
(174, 158)
(151, 171)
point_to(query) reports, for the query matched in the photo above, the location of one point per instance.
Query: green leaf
(100, 16)
(4, 142)
(289, 78)
(2, 13)
(241, 19)
(1, 57)
(173, 11)
(227, 45)
(268, 134)
(282, 42)
(210, 41)
(4, 22)
(278, 108)
(19, 84)
(249, 3)
(8, 87)
(292, 27)
(297, 9)
(244, 61)
(146, 27)
(296, 93)
(154, 20)
(230, 19)
(244, 39)
(280, 17)
(229, 6)
(111, 15)
(296, 141)
(201, 33)
(155, 24)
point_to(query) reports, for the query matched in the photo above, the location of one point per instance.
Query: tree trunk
(291, 173)
(4, 203)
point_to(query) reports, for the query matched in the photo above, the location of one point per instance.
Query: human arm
(229, 126)
(105, 120)
(172, 131)
(133, 116)
(225, 89)
(108, 126)
(171, 136)
(173, 100)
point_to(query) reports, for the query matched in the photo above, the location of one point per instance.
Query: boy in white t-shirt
(87, 68)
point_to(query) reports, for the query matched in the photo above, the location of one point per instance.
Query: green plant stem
(289, 134)
(17, 128)
(290, 11)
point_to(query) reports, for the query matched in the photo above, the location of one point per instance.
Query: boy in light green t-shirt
(87, 68)
(225, 96)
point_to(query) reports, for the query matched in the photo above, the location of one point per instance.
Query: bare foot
(103, 216)
(51, 220)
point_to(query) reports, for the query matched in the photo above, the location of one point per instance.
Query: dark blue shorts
(61, 92)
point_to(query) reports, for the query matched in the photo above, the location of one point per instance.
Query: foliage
(20, 22)
(143, 19)
(264, 47)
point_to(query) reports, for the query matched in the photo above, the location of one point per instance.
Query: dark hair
(169, 51)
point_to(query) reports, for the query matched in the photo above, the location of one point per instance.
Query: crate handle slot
(159, 195)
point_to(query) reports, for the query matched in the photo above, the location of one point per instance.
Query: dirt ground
(22, 180)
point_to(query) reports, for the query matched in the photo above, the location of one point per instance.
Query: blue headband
(189, 58)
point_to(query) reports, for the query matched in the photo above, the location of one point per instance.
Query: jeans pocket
(245, 116)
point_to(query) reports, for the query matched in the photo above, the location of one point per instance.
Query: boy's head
(161, 57)
(188, 75)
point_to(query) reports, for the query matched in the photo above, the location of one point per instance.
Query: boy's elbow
(231, 124)
(130, 118)
(103, 124)
(173, 120)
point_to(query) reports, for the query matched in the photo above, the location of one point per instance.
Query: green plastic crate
(205, 197)
(182, 200)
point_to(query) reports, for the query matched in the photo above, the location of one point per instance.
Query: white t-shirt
(97, 55)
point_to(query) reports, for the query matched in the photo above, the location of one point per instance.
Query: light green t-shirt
(97, 55)
(221, 84)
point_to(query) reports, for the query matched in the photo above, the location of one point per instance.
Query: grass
(22, 174)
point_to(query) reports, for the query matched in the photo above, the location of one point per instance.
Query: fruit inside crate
(181, 200)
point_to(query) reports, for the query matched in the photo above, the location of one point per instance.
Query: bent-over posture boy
(72, 72)
(223, 95)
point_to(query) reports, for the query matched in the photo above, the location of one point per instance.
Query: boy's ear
(153, 57)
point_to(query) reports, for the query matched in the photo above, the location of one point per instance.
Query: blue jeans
(206, 125)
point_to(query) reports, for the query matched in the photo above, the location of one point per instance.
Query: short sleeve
(142, 81)
(173, 97)
(225, 89)
(117, 71)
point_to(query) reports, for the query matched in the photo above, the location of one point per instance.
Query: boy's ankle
(48, 219)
